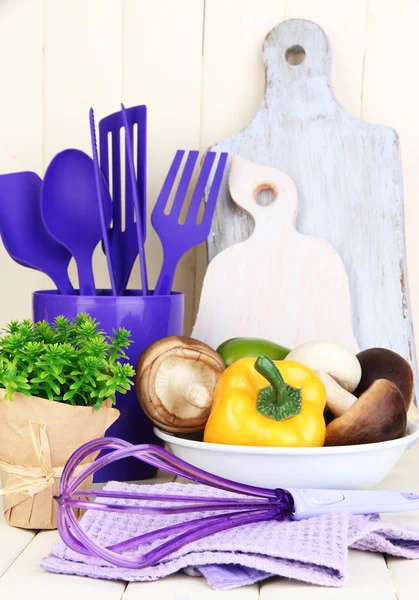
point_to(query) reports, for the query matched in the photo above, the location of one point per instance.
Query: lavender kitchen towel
(314, 550)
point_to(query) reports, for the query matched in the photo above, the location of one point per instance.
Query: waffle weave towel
(314, 550)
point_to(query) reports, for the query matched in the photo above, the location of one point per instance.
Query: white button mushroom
(333, 359)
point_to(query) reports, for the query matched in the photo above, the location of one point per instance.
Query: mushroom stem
(198, 396)
(338, 400)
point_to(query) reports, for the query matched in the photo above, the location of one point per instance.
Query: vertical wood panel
(162, 68)
(391, 96)
(83, 50)
(233, 77)
(20, 131)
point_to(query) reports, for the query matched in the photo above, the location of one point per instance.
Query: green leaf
(68, 360)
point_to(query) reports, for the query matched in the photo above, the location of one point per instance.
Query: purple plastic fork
(252, 505)
(177, 238)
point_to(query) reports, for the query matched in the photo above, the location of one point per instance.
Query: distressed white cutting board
(278, 284)
(349, 180)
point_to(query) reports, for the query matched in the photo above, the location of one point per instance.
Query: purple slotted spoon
(70, 210)
(177, 238)
(123, 242)
(23, 231)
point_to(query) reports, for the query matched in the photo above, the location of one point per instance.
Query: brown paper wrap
(37, 437)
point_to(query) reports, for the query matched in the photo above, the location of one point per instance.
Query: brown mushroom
(380, 363)
(378, 415)
(175, 379)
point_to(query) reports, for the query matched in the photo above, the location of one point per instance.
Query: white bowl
(333, 467)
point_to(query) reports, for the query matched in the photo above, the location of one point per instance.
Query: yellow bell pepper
(247, 411)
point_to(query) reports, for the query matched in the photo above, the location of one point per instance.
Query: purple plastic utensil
(123, 239)
(253, 504)
(23, 231)
(103, 198)
(70, 210)
(138, 208)
(177, 238)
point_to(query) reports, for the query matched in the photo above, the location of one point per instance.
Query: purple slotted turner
(177, 238)
(124, 242)
(139, 207)
(253, 504)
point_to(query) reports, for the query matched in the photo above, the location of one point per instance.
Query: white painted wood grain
(20, 131)
(182, 587)
(278, 284)
(345, 27)
(349, 180)
(162, 68)
(12, 543)
(25, 578)
(368, 579)
(405, 577)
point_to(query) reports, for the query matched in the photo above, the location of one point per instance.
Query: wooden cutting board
(278, 284)
(349, 181)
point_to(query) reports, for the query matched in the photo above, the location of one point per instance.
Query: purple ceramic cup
(148, 318)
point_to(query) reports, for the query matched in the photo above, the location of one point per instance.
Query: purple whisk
(252, 505)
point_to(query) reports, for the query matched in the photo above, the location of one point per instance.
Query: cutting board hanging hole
(295, 55)
(265, 195)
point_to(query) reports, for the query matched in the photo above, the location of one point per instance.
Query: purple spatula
(177, 238)
(23, 231)
(123, 239)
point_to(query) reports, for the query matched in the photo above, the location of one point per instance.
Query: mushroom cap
(175, 379)
(378, 415)
(380, 363)
(335, 360)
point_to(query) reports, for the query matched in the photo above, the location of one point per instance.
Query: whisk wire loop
(252, 505)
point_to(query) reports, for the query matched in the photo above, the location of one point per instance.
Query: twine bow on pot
(33, 479)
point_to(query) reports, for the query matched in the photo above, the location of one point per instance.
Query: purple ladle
(70, 210)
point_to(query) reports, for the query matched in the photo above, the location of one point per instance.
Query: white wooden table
(370, 575)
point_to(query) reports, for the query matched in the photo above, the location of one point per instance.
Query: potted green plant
(57, 386)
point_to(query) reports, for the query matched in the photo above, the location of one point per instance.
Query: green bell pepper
(236, 348)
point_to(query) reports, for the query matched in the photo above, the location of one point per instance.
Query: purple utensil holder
(148, 318)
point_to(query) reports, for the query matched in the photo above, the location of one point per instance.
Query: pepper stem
(266, 367)
(279, 400)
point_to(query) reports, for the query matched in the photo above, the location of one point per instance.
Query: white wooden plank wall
(196, 64)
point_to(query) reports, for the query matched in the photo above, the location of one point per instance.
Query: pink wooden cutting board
(278, 284)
